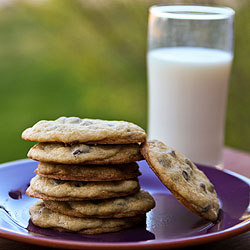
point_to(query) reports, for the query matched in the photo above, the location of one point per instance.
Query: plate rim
(41, 240)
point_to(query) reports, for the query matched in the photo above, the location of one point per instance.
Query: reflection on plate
(168, 225)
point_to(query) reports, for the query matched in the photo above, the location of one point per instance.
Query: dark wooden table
(234, 160)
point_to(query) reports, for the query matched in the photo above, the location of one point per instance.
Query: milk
(187, 100)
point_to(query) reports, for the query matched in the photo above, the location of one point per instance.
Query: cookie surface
(85, 154)
(127, 206)
(45, 218)
(187, 183)
(73, 129)
(51, 189)
(88, 172)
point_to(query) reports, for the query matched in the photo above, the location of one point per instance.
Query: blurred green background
(87, 58)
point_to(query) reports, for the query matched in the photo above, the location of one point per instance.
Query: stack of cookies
(87, 175)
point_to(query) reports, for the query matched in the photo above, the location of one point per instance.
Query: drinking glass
(190, 52)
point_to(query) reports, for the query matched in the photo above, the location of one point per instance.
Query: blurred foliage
(87, 59)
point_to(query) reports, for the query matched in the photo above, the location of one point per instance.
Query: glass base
(219, 166)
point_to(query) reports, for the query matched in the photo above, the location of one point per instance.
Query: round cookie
(85, 154)
(127, 206)
(88, 172)
(75, 130)
(45, 218)
(187, 183)
(61, 190)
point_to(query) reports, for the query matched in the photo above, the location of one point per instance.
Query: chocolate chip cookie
(85, 154)
(61, 190)
(45, 218)
(88, 172)
(187, 183)
(74, 130)
(127, 206)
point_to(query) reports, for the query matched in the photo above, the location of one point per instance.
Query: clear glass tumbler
(190, 52)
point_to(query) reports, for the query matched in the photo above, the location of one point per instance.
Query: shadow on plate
(135, 234)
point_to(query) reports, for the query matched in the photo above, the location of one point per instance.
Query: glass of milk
(190, 52)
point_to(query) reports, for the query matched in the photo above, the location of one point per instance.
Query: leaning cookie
(85, 154)
(75, 130)
(51, 189)
(128, 206)
(187, 183)
(45, 218)
(88, 172)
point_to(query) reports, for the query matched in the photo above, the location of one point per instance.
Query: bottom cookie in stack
(91, 206)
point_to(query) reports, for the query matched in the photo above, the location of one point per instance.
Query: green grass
(74, 58)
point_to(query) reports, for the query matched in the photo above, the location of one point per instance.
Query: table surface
(234, 160)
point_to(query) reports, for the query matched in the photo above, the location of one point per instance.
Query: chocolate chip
(86, 123)
(202, 185)
(190, 164)
(120, 202)
(77, 152)
(172, 153)
(74, 120)
(164, 161)
(68, 205)
(57, 182)
(83, 150)
(206, 209)
(211, 188)
(185, 175)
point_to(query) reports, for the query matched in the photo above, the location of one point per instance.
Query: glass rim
(192, 12)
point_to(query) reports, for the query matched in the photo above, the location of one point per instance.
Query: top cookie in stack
(81, 161)
(73, 130)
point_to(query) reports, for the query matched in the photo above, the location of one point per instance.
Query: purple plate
(168, 225)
